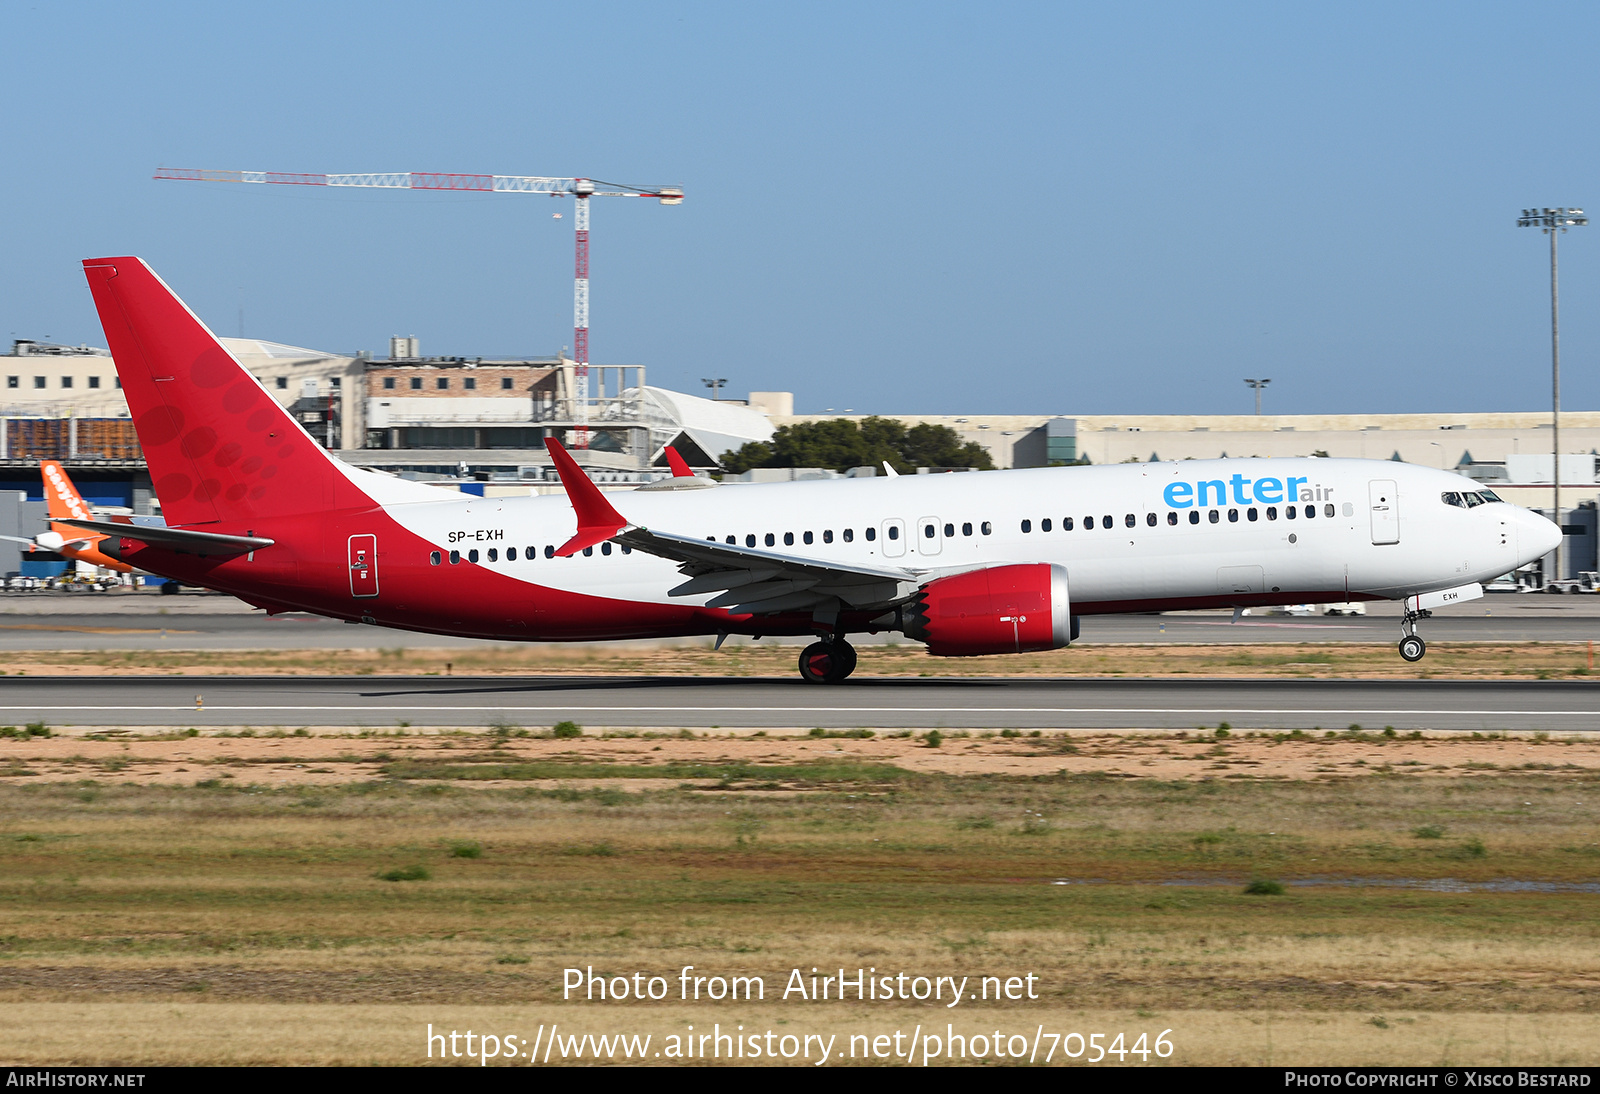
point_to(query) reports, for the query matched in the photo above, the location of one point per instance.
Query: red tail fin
(218, 444)
(680, 466)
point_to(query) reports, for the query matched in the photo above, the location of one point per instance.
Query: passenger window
(1066, 524)
(1327, 510)
(472, 555)
(1044, 525)
(986, 528)
(733, 539)
(511, 554)
(1252, 513)
(626, 549)
(1450, 497)
(455, 557)
(1233, 516)
(929, 531)
(1311, 511)
(1213, 516)
(588, 552)
(1088, 522)
(434, 558)
(494, 554)
(949, 530)
(849, 535)
(788, 539)
(966, 528)
(1150, 519)
(549, 551)
(605, 549)
(750, 541)
(1272, 512)
(770, 541)
(894, 531)
(871, 534)
(827, 535)
(1130, 520)
(1194, 516)
(1172, 517)
(1290, 512)
(807, 538)
(1027, 526)
(1106, 521)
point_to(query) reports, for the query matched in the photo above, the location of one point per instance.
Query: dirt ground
(1311, 660)
(332, 756)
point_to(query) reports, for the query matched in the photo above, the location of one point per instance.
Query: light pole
(1258, 385)
(1554, 222)
(714, 385)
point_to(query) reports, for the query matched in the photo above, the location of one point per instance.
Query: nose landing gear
(827, 662)
(1412, 647)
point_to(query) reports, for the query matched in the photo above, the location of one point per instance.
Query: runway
(710, 702)
(146, 621)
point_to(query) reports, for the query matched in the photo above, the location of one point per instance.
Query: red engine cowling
(1004, 609)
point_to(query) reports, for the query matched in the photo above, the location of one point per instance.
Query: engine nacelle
(1004, 609)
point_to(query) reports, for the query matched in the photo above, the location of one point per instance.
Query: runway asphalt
(146, 621)
(706, 702)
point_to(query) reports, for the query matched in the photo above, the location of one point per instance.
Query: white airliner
(976, 563)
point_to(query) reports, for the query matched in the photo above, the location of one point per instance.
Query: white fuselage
(1379, 531)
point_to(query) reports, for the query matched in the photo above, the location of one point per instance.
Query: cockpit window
(1450, 497)
(1490, 495)
(1472, 499)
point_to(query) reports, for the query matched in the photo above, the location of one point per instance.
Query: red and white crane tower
(581, 190)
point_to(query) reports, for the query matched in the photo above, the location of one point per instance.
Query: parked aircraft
(974, 563)
(63, 502)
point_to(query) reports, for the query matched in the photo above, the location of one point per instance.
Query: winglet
(597, 520)
(680, 467)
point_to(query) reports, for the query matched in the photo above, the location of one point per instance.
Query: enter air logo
(1239, 490)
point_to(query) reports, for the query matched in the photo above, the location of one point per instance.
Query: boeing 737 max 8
(976, 563)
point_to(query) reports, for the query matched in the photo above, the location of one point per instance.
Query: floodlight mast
(1258, 385)
(581, 190)
(1554, 222)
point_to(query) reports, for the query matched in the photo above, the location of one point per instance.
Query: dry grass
(1446, 661)
(255, 908)
(310, 1034)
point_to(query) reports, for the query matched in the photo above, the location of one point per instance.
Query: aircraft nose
(1537, 537)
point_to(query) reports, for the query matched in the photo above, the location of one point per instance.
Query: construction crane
(581, 190)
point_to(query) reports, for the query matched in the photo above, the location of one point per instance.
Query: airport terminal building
(479, 424)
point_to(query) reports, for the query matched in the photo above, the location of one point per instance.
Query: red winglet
(597, 520)
(680, 468)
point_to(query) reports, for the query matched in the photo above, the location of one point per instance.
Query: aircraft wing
(174, 538)
(747, 580)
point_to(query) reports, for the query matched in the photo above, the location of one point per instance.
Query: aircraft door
(363, 566)
(1384, 500)
(929, 539)
(894, 537)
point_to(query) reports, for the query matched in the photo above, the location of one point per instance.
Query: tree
(840, 444)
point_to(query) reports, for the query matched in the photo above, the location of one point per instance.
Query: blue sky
(936, 208)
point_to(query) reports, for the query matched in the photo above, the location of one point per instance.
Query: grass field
(1446, 660)
(1424, 912)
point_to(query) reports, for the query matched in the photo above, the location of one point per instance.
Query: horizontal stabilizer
(178, 538)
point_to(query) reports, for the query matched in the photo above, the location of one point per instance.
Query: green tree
(840, 444)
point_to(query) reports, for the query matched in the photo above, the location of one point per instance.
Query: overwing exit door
(1384, 501)
(363, 566)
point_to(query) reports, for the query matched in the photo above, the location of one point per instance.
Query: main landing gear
(1412, 647)
(827, 662)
